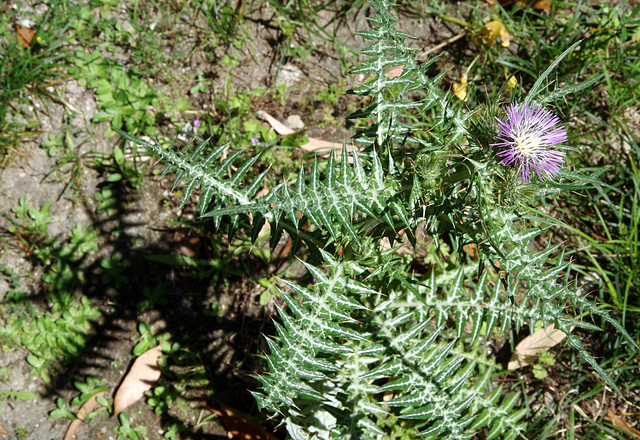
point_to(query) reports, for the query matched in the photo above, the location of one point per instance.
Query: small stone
(289, 75)
(294, 122)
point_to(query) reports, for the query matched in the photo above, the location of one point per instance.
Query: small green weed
(107, 201)
(148, 339)
(123, 100)
(546, 358)
(125, 429)
(118, 167)
(53, 337)
(25, 72)
(157, 295)
(88, 388)
(59, 335)
(114, 270)
(16, 395)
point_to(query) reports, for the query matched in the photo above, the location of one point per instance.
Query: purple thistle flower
(525, 136)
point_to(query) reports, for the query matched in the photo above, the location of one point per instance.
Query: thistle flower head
(525, 136)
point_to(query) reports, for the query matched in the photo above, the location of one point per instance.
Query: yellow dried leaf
(495, 29)
(461, 90)
(511, 84)
(528, 350)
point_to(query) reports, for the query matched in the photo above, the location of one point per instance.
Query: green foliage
(114, 269)
(60, 334)
(382, 337)
(25, 72)
(127, 431)
(51, 338)
(148, 339)
(124, 100)
(16, 394)
(88, 388)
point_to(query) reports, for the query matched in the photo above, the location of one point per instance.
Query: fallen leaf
(2, 431)
(278, 126)
(460, 90)
(143, 374)
(187, 246)
(238, 425)
(25, 35)
(621, 424)
(528, 350)
(495, 29)
(314, 144)
(394, 71)
(471, 249)
(318, 144)
(85, 409)
(543, 4)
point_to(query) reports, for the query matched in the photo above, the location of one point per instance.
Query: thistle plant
(391, 337)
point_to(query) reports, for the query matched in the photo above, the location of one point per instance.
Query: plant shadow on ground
(219, 346)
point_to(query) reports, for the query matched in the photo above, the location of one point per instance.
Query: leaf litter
(143, 374)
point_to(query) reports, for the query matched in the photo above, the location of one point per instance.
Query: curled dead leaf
(85, 409)
(238, 425)
(621, 424)
(143, 374)
(314, 144)
(186, 245)
(528, 350)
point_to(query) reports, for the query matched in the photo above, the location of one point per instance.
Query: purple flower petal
(525, 135)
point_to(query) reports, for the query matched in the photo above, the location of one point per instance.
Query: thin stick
(423, 55)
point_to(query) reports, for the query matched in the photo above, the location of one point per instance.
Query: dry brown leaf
(25, 35)
(542, 4)
(528, 350)
(278, 126)
(619, 423)
(238, 425)
(320, 145)
(187, 246)
(143, 374)
(2, 431)
(85, 409)
(314, 144)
